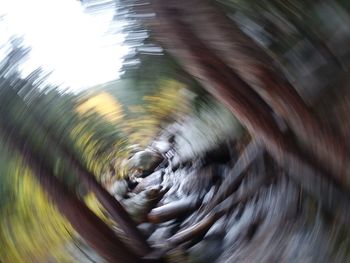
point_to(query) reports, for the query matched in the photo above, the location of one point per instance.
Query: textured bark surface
(112, 206)
(249, 61)
(171, 30)
(89, 226)
(115, 209)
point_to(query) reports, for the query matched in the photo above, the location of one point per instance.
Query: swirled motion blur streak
(174, 131)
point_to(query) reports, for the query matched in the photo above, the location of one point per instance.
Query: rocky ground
(229, 204)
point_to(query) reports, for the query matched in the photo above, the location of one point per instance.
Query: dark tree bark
(113, 207)
(224, 38)
(172, 31)
(90, 227)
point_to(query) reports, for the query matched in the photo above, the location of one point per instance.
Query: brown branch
(90, 227)
(172, 210)
(224, 84)
(251, 63)
(113, 207)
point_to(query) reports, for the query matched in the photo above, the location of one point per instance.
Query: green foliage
(28, 223)
(31, 229)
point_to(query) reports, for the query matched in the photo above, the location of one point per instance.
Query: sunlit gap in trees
(81, 46)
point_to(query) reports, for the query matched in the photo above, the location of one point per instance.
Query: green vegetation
(93, 131)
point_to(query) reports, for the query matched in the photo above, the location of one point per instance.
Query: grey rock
(140, 204)
(161, 146)
(208, 250)
(119, 189)
(144, 161)
(154, 179)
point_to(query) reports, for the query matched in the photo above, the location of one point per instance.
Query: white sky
(79, 48)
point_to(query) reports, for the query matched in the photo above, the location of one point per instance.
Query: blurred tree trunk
(241, 54)
(112, 206)
(90, 227)
(253, 65)
(232, 68)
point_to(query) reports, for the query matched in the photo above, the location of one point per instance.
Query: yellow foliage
(170, 102)
(32, 230)
(94, 205)
(103, 104)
